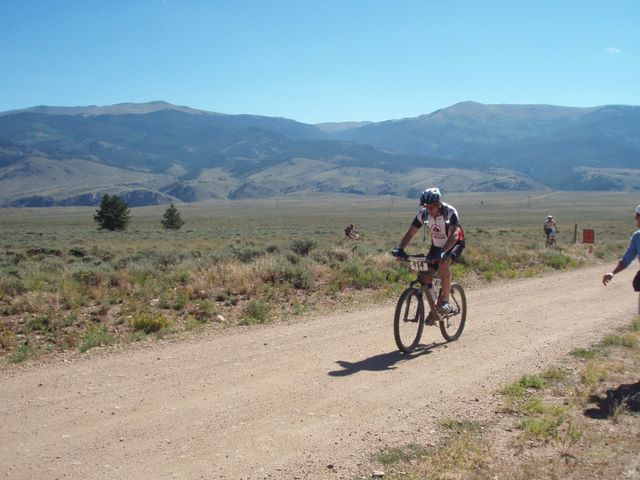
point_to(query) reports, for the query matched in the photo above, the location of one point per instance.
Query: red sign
(588, 235)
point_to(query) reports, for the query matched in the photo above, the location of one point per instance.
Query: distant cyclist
(350, 232)
(447, 238)
(550, 227)
(633, 251)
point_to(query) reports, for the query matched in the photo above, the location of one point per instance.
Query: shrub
(43, 251)
(149, 322)
(22, 352)
(296, 275)
(256, 311)
(11, 286)
(359, 276)
(89, 278)
(303, 247)
(96, 336)
(203, 310)
(556, 260)
(544, 426)
(39, 323)
(77, 252)
(245, 255)
(586, 353)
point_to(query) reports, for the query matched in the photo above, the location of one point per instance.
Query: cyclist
(447, 238)
(550, 227)
(350, 232)
(633, 251)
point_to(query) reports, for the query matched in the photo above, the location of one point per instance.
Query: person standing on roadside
(633, 251)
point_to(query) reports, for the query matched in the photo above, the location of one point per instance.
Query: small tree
(171, 219)
(113, 213)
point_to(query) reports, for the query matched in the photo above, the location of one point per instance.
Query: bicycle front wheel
(408, 321)
(451, 325)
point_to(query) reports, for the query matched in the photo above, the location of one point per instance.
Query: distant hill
(548, 143)
(158, 153)
(118, 109)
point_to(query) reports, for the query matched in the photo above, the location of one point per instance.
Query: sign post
(589, 236)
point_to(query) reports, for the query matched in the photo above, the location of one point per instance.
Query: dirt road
(308, 400)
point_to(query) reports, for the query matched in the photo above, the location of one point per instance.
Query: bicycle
(551, 240)
(409, 319)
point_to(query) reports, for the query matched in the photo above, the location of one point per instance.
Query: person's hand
(444, 256)
(607, 278)
(399, 253)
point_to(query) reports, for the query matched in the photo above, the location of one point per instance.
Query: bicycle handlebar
(402, 255)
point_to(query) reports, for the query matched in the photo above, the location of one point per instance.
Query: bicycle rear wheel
(408, 321)
(451, 325)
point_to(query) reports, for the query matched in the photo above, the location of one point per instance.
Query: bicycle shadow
(384, 361)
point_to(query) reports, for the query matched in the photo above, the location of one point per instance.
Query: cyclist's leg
(445, 278)
(434, 252)
(445, 271)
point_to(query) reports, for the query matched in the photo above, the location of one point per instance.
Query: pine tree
(171, 219)
(113, 213)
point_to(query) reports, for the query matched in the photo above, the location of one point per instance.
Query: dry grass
(287, 254)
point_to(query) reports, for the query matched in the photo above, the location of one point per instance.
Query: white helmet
(638, 210)
(549, 217)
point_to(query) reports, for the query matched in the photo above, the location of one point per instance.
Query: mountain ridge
(159, 152)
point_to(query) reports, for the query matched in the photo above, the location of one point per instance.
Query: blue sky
(318, 61)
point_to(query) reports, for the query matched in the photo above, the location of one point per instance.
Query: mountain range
(156, 152)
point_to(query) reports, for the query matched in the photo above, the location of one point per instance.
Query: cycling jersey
(439, 226)
(550, 226)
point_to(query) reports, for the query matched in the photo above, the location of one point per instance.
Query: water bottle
(431, 291)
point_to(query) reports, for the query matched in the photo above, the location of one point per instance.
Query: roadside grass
(242, 263)
(578, 421)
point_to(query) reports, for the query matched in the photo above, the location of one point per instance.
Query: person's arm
(408, 236)
(632, 252)
(608, 276)
(452, 239)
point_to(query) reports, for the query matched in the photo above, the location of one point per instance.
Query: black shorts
(454, 253)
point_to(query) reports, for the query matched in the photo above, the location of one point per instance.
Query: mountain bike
(409, 319)
(551, 239)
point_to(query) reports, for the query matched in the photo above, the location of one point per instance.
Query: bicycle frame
(420, 265)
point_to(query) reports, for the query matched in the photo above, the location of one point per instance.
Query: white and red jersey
(440, 225)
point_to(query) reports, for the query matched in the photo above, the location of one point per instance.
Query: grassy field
(65, 286)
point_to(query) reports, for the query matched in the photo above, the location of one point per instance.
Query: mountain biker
(447, 238)
(633, 251)
(550, 227)
(350, 232)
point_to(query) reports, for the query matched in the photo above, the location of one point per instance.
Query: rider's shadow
(382, 362)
